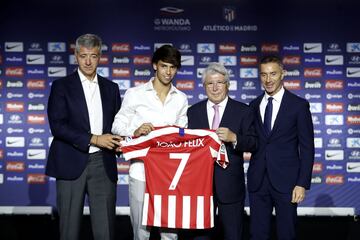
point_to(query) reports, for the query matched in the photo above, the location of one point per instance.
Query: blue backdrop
(319, 41)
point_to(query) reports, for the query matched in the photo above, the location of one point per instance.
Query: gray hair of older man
(88, 41)
(214, 68)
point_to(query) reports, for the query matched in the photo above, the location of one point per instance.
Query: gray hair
(213, 68)
(88, 41)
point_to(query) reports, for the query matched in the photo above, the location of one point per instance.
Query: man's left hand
(298, 194)
(226, 135)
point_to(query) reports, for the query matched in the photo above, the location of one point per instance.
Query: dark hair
(88, 41)
(168, 54)
(272, 59)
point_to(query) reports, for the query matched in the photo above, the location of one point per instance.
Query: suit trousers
(136, 201)
(262, 203)
(101, 192)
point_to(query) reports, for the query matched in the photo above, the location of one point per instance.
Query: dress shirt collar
(83, 78)
(277, 97)
(150, 87)
(221, 104)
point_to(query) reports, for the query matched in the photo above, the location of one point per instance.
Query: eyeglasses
(218, 84)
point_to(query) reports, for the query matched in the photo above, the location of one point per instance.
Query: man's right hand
(144, 129)
(108, 141)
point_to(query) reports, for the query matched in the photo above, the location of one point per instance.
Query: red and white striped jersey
(179, 166)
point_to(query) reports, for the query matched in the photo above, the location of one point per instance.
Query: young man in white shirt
(156, 103)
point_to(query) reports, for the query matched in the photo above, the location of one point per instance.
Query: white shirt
(211, 111)
(94, 106)
(276, 105)
(142, 105)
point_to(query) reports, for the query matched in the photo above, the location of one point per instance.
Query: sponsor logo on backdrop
(334, 60)
(292, 73)
(334, 84)
(248, 48)
(205, 60)
(32, 95)
(36, 107)
(291, 47)
(232, 85)
(121, 72)
(14, 72)
(205, 48)
(56, 59)
(313, 72)
(248, 72)
(316, 107)
(352, 131)
(353, 167)
(312, 60)
(13, 59)
(353, 142)
(14, 179)
(36, 142)
(292, 84)
(36, 84)
(142, 73)
(11, 95)
(36, 71)
(228, 60)
(121, 60)
(14, 46)
(103, 71)
(353, 72)
(353, 120)
(227, 48)
(317, 167)
(185, 84)
(248, 85)
(15, 142)
(35, 47)
(353, 96)
(353, 107)
(172, 21)
(56, 71)
(353, 47)
(36, 178)
(334, 179)
(36, 166)
(104, 60)
(334, 167)
(15, 166)
(248, 96)
(355, 59)
(318, 142)
(142, 47)
(312, 48)
(142, 60)
(14, 107)
(354, 155)
(122, 83)
(334, 96)
(185, 48)
(312, 85)
(315, 120)
(334, 107)
(334, 155)
(185, 72)
(36, 119)
(331, 131)
(229, 13)
(14, 154)
(56, 47)
(248, 60)
(35, 59)
(123, 179)
(270, 48)
(333, 47)
(120, 47)
(334, 72)
(36, 130)
(187, 60)
(316, 180)
(334, 142)
(14, 130)
(334, 120)
(36, 154)
(291, 60)
(15, 119)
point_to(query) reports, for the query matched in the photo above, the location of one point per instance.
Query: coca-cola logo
(139, 60)
(317, 167)
(15, 166)
(36, 84)
(312, 72)
(334, 179)
(334, 84)
(14, 72)
(120, 47)
(36, 178)
(270, 48)
(185, 85)
(291, 60)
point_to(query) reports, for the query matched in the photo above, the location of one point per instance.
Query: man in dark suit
(280, 170)
(81, 109)
(233, 122)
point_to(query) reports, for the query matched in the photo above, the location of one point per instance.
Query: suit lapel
(79, 96)
(227, 116)
(258, 119)
(205, 120)
(282, 109)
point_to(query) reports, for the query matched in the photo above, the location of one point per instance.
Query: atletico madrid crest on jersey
(179, 166)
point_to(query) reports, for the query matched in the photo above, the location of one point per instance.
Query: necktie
(268, 115)
(216, 119)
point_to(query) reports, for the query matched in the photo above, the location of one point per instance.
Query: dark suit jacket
(69, 124)
(229, 182)
(287, 154)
